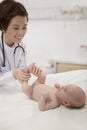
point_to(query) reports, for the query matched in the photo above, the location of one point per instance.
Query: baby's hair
(77, 97)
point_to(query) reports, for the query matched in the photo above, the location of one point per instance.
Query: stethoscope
(3, 51)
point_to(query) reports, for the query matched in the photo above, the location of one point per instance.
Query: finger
(24, 77)
(39, 72)
(20, 81)
(36, 71)
(23, 80)
(25, 72)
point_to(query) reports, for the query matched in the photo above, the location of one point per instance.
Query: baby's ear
(66, 104)
(57, 85)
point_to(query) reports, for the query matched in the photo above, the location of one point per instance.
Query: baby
(52, 97)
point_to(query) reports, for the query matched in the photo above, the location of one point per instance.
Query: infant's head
(71, 96)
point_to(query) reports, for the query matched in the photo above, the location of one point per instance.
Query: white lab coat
(6, 72)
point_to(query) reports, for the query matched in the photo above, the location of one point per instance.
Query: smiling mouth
(19, 38)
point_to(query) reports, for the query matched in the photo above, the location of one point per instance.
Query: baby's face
(64, 93)
(71, 95)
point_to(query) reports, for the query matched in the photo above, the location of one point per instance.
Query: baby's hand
(36, 71)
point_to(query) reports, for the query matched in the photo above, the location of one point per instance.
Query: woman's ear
(66, 104)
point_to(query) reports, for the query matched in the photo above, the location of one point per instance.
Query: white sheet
(17, 112)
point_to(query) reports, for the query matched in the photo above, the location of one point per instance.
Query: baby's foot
(30, 67)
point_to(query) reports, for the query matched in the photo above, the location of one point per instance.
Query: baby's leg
(44, 101)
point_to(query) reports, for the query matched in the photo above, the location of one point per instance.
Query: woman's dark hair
(8, 10)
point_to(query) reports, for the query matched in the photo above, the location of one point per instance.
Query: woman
(13, 26)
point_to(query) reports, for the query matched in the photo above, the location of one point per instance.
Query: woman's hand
(22, 75)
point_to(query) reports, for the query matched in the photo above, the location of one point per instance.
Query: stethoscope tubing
(3, 50)
(19, 47)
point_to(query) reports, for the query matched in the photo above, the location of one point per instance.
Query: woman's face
(16, 30)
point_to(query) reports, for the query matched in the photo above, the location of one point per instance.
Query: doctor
(13, 26)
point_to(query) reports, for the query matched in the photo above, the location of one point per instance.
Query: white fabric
(9, 56)
(17, 112)
(6, 78)
(11, 61)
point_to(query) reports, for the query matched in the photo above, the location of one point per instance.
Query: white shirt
(11, 61)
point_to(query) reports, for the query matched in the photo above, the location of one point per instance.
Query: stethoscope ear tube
(3, 51)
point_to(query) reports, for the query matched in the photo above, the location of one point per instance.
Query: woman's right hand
(21, 75)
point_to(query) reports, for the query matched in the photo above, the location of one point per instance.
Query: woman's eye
(24, 27)
(16, 28)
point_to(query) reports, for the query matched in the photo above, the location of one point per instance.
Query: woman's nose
(20, 32)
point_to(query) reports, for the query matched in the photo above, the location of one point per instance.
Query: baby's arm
(28, 90)
(38, 73)
(48, 101)
(44, 101)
